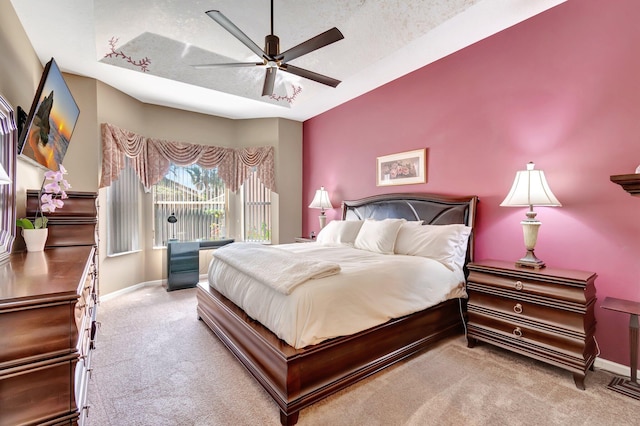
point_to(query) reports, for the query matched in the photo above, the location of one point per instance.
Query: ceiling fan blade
(321, 40)
(236, 32)
(310, 75)
(269, 81)
(228, 65)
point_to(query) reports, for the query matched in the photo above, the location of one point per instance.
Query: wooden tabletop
(621, 305)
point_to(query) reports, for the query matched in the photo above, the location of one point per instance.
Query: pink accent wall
(561, 89)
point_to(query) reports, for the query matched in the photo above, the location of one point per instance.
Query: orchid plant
(52, 192)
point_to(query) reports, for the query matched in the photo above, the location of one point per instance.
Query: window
(123, 223)
(196, 197)
(256, 210)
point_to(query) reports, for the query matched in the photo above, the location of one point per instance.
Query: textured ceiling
(147, 49)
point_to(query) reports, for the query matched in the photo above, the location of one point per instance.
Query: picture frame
(403, 168)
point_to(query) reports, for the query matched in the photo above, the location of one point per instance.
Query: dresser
(546, 314)
(47, 318)
(48, 307)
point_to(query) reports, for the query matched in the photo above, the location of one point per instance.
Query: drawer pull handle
(518, 285)
(517, 332)
(518, 308)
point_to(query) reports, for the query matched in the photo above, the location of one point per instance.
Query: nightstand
(304, 240)
(627, 387)
(545, 314)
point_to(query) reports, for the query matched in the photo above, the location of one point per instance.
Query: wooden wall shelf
(630, 183)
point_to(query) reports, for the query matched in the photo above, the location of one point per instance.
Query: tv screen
(45, 137)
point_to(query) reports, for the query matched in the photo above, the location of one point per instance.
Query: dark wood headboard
(431, 208)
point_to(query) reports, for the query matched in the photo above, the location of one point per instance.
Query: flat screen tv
(45, 136)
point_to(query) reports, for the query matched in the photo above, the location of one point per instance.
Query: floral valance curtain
(151, 158)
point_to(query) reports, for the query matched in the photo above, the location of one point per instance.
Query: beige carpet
(156, 364)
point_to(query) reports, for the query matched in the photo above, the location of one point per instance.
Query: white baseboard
(113, 295)
(612, 367)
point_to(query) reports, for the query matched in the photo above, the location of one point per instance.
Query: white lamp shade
(530, 188)
(321, 200)
(4, 177)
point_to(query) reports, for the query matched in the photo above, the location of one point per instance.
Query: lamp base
(323, 221)
(530, 261)
(530, 227)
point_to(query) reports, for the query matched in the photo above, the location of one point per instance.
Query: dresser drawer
(23, 403)
(77, 205)
(64, 234)
(568, 319)
(81, 308)
(81, 385)
(19, 343)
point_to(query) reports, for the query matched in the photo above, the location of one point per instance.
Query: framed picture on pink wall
(403, 168)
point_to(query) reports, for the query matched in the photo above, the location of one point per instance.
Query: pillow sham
(339, 232)
(444, 243)
(378, 236)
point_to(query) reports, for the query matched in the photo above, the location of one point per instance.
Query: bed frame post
(289, 420)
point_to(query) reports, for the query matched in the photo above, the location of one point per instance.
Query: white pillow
(378, 236)
(339, 232)
(444, 243)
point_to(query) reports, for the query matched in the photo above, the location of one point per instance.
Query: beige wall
(20, 72)
(20, 69)
(124, 271)
(288, 201)
(286, 138)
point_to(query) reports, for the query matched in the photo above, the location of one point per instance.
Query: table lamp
(321, 201)
(530, 189)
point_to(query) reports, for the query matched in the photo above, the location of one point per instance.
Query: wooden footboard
(297, 378)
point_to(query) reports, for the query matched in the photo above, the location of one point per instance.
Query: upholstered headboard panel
(430, 208)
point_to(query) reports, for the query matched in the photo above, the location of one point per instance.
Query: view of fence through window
(196, 197)
(257, 210)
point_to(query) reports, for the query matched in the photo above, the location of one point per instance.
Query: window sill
(124, 253)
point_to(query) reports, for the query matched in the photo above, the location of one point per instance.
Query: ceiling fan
(271, 56)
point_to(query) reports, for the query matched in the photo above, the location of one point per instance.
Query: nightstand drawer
(533, 288)
(532, 340)
(542, 316)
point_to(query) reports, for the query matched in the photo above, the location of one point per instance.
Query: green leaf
(41, 222)
(24, 223)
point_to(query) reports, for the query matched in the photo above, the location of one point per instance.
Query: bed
(298, 377)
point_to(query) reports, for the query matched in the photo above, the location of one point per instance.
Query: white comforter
(369, 290)
(282, 270)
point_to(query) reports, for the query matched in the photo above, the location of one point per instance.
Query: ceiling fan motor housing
(271, 46)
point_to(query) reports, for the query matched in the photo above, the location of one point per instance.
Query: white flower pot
(35, 239)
